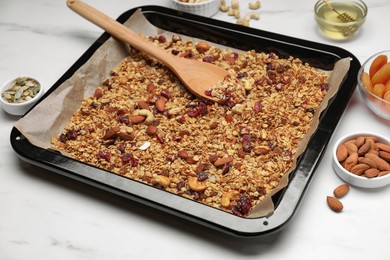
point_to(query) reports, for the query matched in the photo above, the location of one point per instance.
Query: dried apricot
(387, 86)
(377, 63)
(386, 97)
(379, 90)
(382, 75)
(366, 81)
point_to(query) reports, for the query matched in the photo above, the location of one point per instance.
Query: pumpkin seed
(23, 89)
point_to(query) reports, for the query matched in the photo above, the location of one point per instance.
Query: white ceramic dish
(353, 179)
(18, 109)
(207, 8)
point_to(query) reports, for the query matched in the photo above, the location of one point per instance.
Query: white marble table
(46, 216)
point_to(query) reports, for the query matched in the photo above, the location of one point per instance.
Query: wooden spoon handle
(120, 31)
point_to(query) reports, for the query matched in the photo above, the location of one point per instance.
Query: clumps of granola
(142, 123)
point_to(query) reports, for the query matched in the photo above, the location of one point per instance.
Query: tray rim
(222, 221)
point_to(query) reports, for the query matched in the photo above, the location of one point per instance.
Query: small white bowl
(353, 179)
(207, 8)
(18, 109)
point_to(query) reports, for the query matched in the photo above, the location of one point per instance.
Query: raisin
(202, 176)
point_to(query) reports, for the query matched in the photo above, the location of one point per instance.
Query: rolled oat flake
(22, 89)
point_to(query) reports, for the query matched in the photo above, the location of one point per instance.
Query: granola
(142, 123)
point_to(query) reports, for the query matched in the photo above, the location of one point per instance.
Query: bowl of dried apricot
(363, 159)
(374, 83)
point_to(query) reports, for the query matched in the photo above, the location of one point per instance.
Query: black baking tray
(236, 36)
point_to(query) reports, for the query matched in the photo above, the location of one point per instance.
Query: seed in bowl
(365, 156)
(23, 89)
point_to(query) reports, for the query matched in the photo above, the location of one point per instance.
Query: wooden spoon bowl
(197, 76)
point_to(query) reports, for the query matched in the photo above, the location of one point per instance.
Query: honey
(332, 23)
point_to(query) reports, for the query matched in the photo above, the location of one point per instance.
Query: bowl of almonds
(20, 94)
(363, 159)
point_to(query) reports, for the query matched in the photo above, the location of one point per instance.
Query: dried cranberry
(270, 66)
(324, 86)
(257, 107)
(202, 176)
(162, 39)
(247, 143)
(62, 138)
(166, 93)
(288, 154)
(282, 68)
(181, 120)
(295, 123)
(226, 168)
(193, 112)
(242, 75)
(202, 107)
(180, 185)
(123, 119)
(121, 148)
(71, 135)
(271, 75)
(129, 158)
(301, 79)
(175, 52)
(310, 110)
(208, 59)
(105, 155)
(278, 87)
(261, 190)
(244, 204)
(199, 110)
(272, 55)
(208, 92)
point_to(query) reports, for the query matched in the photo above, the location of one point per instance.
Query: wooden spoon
(197, 76)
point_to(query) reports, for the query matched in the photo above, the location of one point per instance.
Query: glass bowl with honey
(340, 19)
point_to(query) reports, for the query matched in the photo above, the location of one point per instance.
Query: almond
(160, 104)
(262, 149)
(341, 190)
(137, 119)
(183, 154)
(334, 204)
(371, 173)
(359, 169)
(341, 153)
(222, 161)
(383, 147)
(143, 105)
(381, 164)
(98, 93)
(351, 147)
(383, 173)
(111, 132)
(150, 87)
(364, 148)
(367, 161)
(360, 141)
(351, 161)
(202, 47)
(384, 155)
(126, 136)
(151, 130)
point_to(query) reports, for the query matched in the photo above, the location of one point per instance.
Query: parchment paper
(51, 115)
